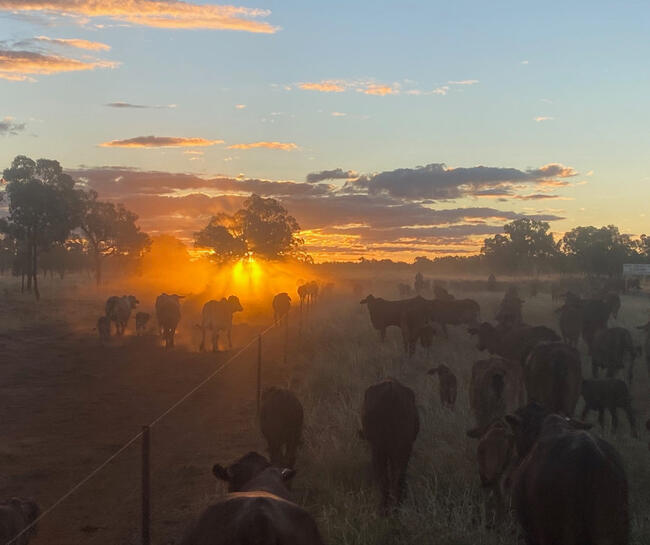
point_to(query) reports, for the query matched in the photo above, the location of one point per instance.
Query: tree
(110, 230)
(599, 250)
(526, 246)
(263, 228)
(43, 207)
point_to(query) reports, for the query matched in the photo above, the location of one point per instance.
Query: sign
(636, 269)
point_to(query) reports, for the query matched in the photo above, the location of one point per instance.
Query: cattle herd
(563, 483)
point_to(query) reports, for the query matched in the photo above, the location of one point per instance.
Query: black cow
(390, 423)
(612, 350)
(610, 394)
(281, 419)
(515, 344)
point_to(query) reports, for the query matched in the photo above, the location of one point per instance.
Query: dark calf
(610, 394)
(281, 419)
(448, 385)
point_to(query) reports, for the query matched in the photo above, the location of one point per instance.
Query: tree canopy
(262, 228)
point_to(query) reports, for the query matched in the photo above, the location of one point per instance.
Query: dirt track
(68, 404)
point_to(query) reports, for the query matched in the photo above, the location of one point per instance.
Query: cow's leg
(291, 452)
(631, 419)
(630, 372)
(613, 412)
(275, 453)
(229, 338)
(380, 469)
(382, 334)
(594, 368)
(585, 411)
(202, 346)
(601, 417)
(215, 340)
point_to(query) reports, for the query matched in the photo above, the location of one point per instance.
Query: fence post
(259, 372)
(146, 488)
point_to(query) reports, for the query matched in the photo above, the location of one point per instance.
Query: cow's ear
(221, 472)
(513, 421)
(288, 474)
(474, 433)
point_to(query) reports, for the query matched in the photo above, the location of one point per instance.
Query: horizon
(418, 146)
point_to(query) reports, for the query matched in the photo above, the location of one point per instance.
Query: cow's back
(168, 311)
(281, 414)
(260, 518)
(389, 416)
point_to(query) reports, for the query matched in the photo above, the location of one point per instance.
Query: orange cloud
(75, 42)
(326, 86)
(19, 65)
(284, 146)
(160, 142)
(152, 13)
(379, 90)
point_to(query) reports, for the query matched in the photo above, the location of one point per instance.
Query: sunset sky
(388, 129)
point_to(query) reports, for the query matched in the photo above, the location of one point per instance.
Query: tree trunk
(35, 271)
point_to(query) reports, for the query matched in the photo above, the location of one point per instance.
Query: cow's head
(494, 452)
(133, 301)
(369, 299)
(242, 471)
(234, 304)
(488, 336)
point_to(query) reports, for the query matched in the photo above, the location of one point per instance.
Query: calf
(570, 486)
(613, 349)
(390, 423)
(141, 320)
(104, 329)
(257, 509)
(570, 324)
(496, 388)
(17, 521)
(168, 314)
(412, 323)
(553, 374)
(281, 420)
(646, 343)
(427, 334)
(118, 310)
(448, 385)
(610, 394)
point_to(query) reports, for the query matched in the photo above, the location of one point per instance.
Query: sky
(388, 129)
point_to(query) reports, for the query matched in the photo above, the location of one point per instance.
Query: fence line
(138, 436)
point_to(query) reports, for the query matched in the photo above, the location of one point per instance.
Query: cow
(492, 283)
(217, 316)
(610, 394)
(570, 486)
(613, 301)
(553, 376)
(646, 344)
(454, 312)
(442, 294)
(414, 325)
(18, 518)
(118, 310)
(595, 315)
(404, 290)
(570, 324)
(141, 321)
(515, 344)
(281, 420)
(303, 295)
(168, 314)
(496, 388)
(258, 509)
(427, 334)
(612, 350)
(509, 314)
(281, 307)
(312, 291)
(384, 313)
(104, 329)
(448, 385)
(390, 423)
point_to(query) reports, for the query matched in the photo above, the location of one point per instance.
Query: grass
(340, 356)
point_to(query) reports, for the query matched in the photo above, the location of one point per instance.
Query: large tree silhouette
(263, 228)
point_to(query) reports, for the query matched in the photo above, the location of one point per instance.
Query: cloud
(284, 146)
(126, 105)
(335, 174)
(325, 86)
(75, 42)
(437, 181)
(379, 90)
(536, 197)
(8, 127)
(240, 106)
(20, 65)
(464, 82)
(338, 114)
(160, 142)
(541, 118)
(151, 13)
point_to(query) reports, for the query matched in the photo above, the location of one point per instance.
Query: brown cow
(281, 419)
(509, 314)
(384, 314)
(610, 394)
(613, 350)
(570, 324)
(17, 521)
(570, 486)
(553, 375)
(448, 385)
(496, 388)
(413, 323)
(281, 307)
(257, 510)
(515, 344)
(390, 423)
(454, 312)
